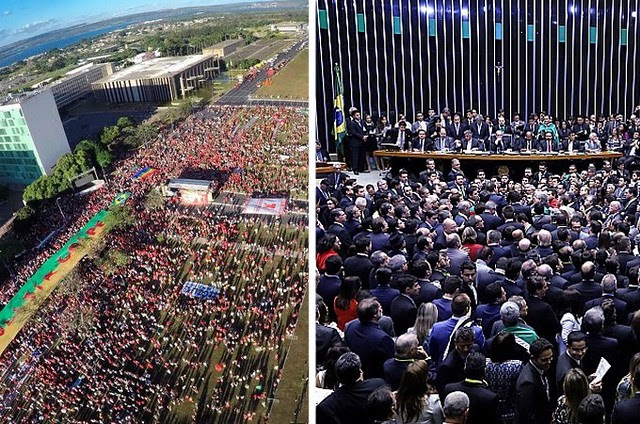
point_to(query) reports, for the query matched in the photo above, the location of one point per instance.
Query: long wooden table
(497, 157)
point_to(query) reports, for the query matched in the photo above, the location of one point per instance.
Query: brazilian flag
(339, 123)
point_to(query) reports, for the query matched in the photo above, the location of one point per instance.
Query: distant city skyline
(22, 19)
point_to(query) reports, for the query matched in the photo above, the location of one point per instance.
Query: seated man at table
(572, 144)
(443, 143)
(527, 143)
(421, 142)
(469, 143)
(400, 136)
(498, 143)
(547, 144)
(593, 144)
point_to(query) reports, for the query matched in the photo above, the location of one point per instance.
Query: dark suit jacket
(347, 404)
(358, 266)
(599, 346)
(457, 135)
(542, 318)
(626, 412)
(408, 137)
(483, 403)
(393, 371)
(385, 296)
(326, 337)
(403, 314)
(491, 222)
(532, 404)
(565, 363)
(621, 306)
(371, 344)
(451, 370)
(428, 292)
(588, 289)
(481, 132)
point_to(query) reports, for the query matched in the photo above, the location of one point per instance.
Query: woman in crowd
(571, 316)
(427, 316)
(576, 388)
(416, 400)
(327, 246)
(345, 303)
(626, 388)
(502, 372)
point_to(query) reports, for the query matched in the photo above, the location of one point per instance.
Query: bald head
(588, 270)
(405, 344)
(449, 226)
(524, 245)
(545, 271)
(517, 235)
(544, 238)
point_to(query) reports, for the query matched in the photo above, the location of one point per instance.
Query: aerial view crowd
(465, 295)
(125, 344)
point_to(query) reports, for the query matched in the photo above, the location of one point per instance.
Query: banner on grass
(201, 291)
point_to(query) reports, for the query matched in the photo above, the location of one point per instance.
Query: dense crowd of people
(124, 345)
(466, 297)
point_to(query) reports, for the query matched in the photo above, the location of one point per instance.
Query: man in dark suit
(365, 338)
(329, 284)
(403, 307)
(540, 315)
(348, 403)
(469, 142)
(588, 288)
(408, 349)
(321, 153)
(491, 219)
(359, 265)
(401, 136)
(533, 400)
(326, 337)
(626, 411)
(336, 179)
(451, 370)
(428, 291)
(456, 129)
(338, 229)
(572, 358)
(483, 403)
(480, 130)
(609, 284)
(383, 292)
(357, 137)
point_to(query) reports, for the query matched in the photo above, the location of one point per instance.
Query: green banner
(47, 270)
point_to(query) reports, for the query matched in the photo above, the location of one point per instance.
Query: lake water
(59, 43)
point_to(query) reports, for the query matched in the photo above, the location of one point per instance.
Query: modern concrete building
(31, 137)
(288, 27)
(224, 48)
(77, 82)
(157, 80)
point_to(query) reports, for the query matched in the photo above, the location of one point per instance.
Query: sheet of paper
(602, 369)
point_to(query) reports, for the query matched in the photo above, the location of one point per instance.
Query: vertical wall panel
(566, 57)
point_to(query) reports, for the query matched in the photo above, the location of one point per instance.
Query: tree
(104, 158)
(109, 134)
(125, 122)
(154, 200)
(119, 217)
(24, 219)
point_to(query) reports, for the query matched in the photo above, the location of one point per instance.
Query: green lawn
(292, 82)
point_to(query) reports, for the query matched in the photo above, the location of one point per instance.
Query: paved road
(240, 95)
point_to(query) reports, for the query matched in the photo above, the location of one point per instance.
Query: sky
(21, 19)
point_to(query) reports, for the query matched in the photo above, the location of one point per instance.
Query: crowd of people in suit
(471, 132)
(459, 298)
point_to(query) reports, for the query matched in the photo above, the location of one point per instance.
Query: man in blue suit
(440, 337)
(365, 338)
